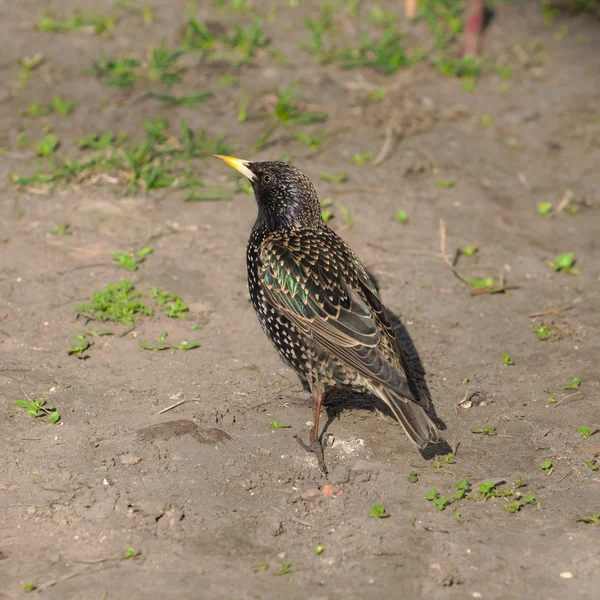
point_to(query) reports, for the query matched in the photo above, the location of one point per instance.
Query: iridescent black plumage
(317, 304)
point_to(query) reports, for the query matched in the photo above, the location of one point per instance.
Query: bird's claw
(314, 445)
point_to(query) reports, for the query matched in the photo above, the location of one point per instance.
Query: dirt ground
(211, 500)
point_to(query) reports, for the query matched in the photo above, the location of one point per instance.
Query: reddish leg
(473, 26)
(314, 444)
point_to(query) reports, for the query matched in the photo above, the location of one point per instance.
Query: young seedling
(595, 518)
(79, 346)
(275, 425)
(312, 141)
(116, 302)
(60, 229)
(331, 178)
(592, 465)
(379, 512)
(401, 216)
(263, 139)
(130, 261)
(47, 146)
(547, 466)
(544, 332)
(449, 458)
(486, 430)
(545, 208)
(39, 408)
(469, 250)
(35, 110)
(464, 487)
(574, 385)
(384, 53)
(488, 490)
(319, 549)
(169, 100)
(130, 553)
(413, 477)
(445, 184)
(565, 262)
(507, 360)
(327, 215)
(585, 432)
(62, 106)
(185, 345)
(286, 566)
(465, 66)
(171, 303)
(349, 221)
(362, 158)
(288, 112)
(440, 502)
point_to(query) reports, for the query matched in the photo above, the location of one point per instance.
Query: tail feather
(414, 420)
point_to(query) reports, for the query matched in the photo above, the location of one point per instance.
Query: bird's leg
(314, 443)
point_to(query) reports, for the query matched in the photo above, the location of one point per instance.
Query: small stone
(566, 575)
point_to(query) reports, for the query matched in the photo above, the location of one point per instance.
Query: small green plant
(47, 146)
(469, 250)
(275, 425)
(545, 208)
(464, 487)
(327, 215)
(39, 408)
(312, 141)
(565, 262)
(288, 111)
(592, 465)
(547, 466)
(130, 553)
(331, 178)
(60, 229)
(440, 502)
(486, 430)
(79, 346)
(594, 518)
(584, 432)
(116, 302)
(545, 332)
(574, 385)
(379, 512)
(507, 360)
(413, 477)
(97, 23)
(286, 566)
(445, 183)
(384, 52)
(62, 106)
(465, 66)
(130, 261)
(488, 490)
(169, 100)
(35, 110)
(362, 158)
(348, 220)
(401, 216)
(171, 303)
(449, 458)
(319, 549)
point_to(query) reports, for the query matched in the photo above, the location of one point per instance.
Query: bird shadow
(348, 400)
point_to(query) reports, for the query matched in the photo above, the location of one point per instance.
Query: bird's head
(285, 196)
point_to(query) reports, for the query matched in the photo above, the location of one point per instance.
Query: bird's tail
(414, 420)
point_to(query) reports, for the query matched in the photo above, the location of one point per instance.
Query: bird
(318, 305)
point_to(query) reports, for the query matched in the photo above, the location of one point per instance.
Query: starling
(317, 304)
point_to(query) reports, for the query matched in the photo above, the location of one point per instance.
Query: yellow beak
(238, 164)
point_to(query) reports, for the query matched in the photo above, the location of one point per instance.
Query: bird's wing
(319, 284)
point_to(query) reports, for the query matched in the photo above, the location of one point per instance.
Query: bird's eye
(266, 178)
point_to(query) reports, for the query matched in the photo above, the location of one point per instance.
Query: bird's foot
(314, 445)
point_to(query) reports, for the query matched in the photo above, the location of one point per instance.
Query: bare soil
(215, 501)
